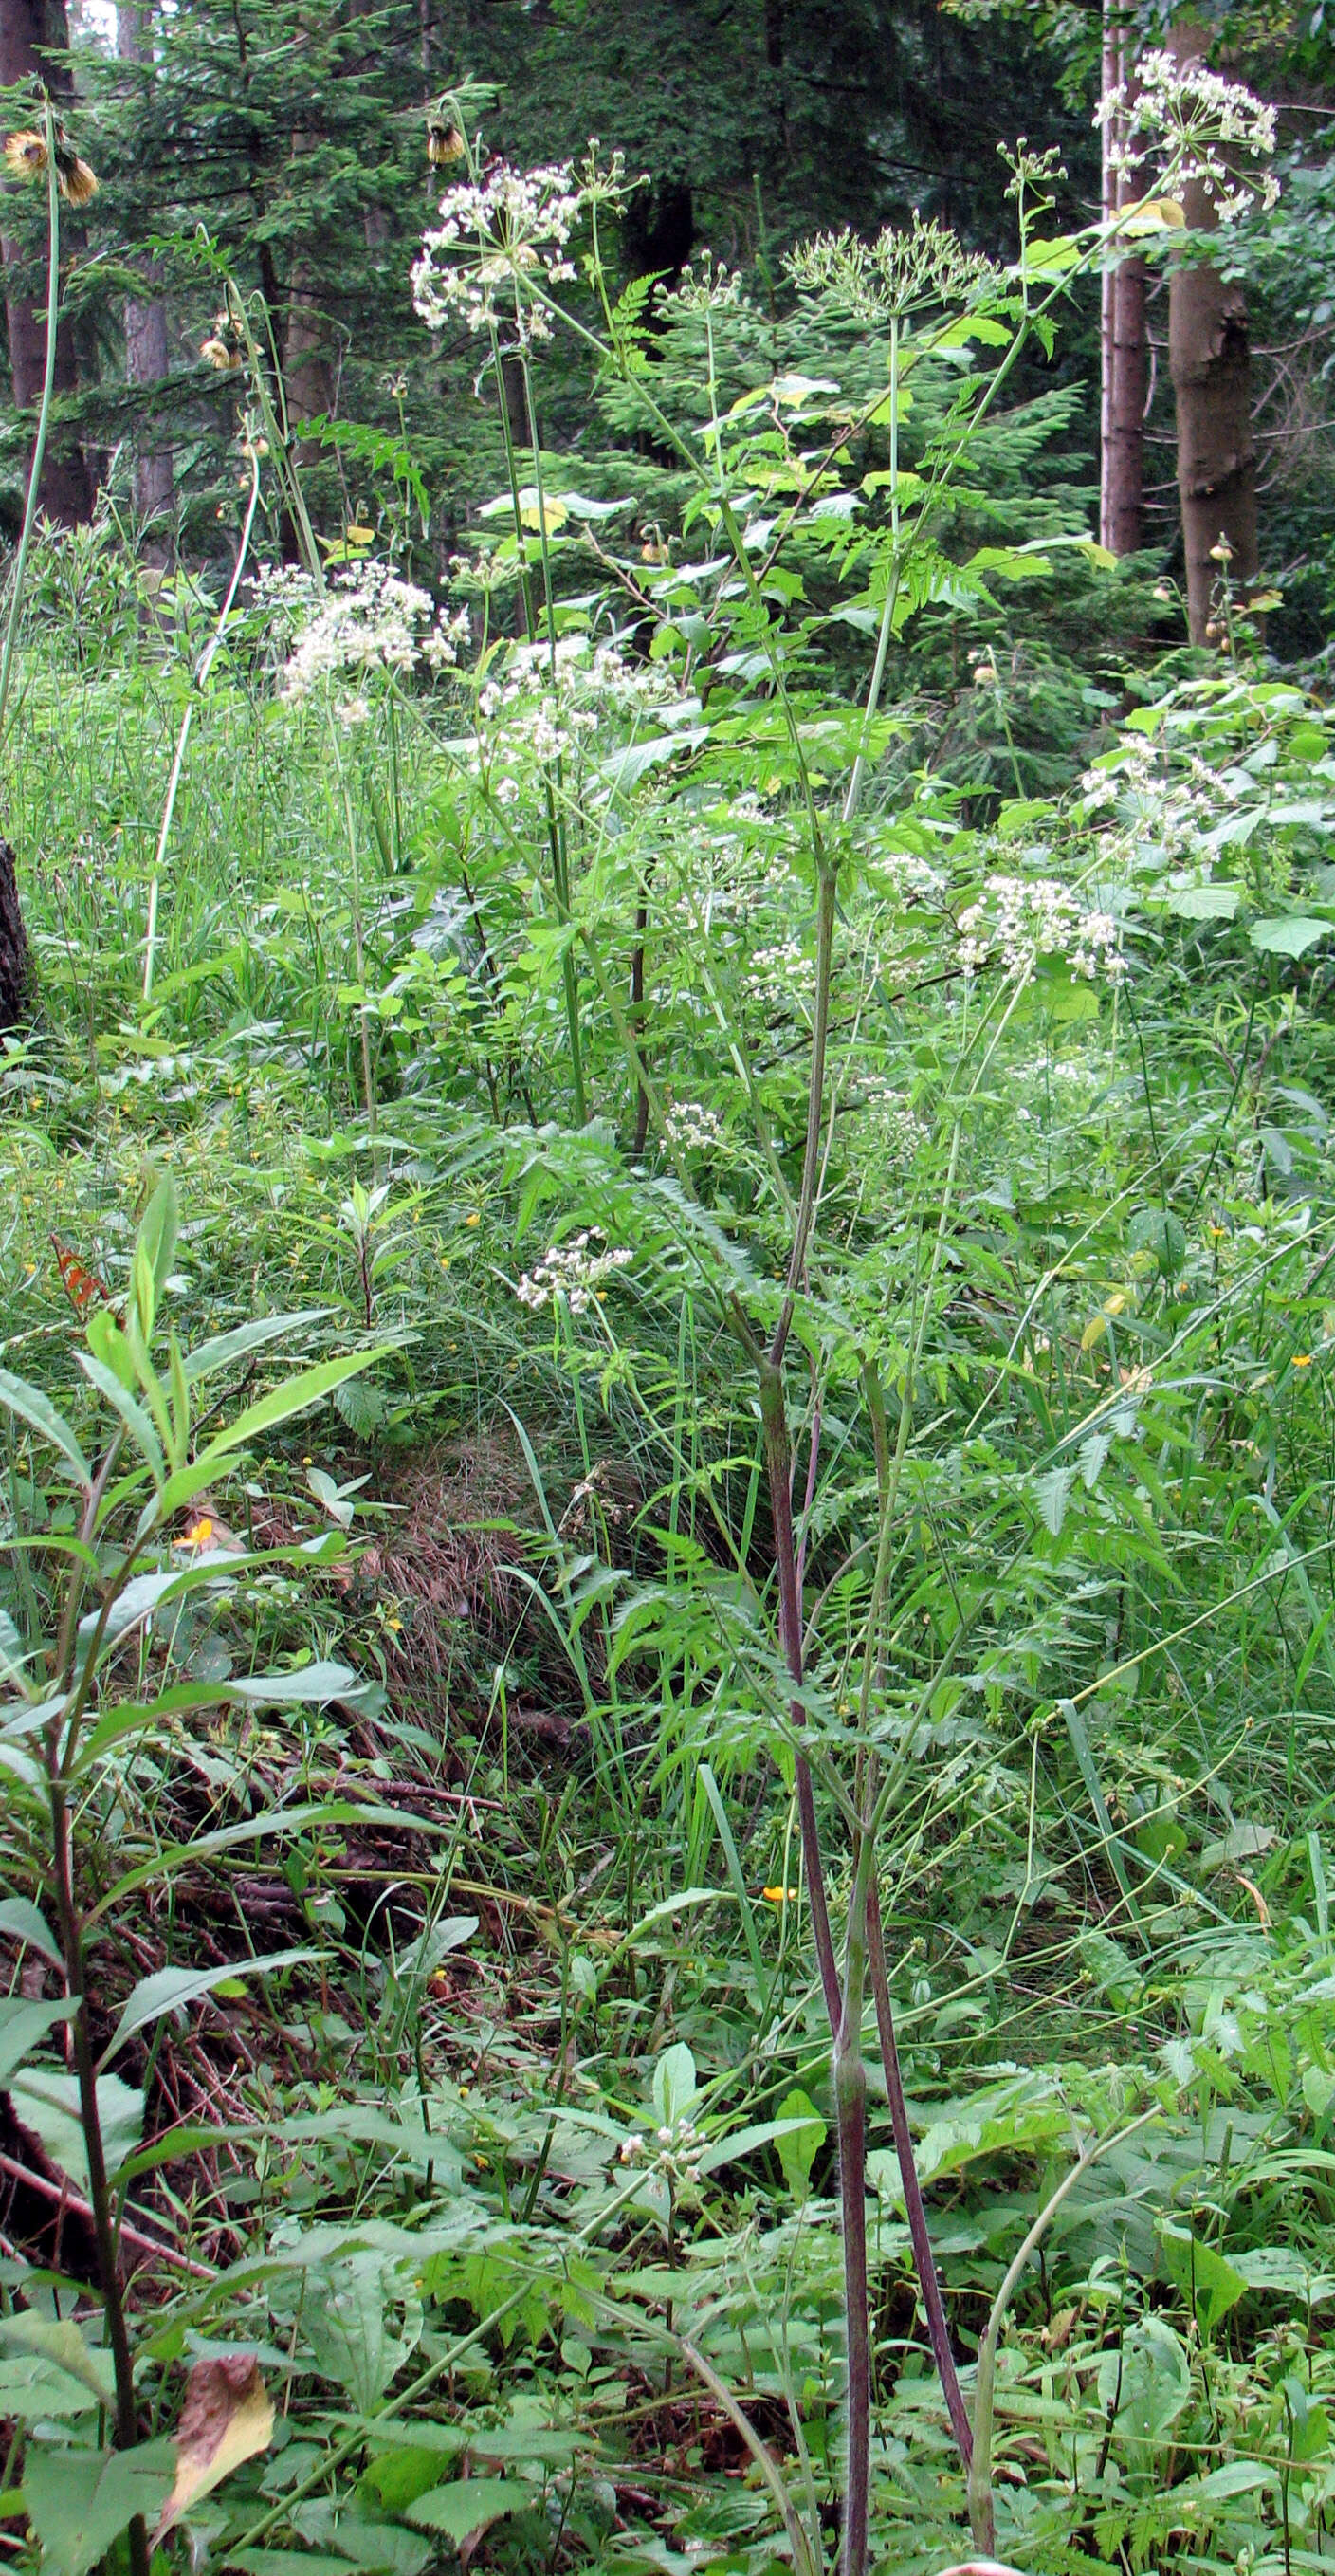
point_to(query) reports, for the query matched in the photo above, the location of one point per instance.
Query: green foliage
(403, 1744)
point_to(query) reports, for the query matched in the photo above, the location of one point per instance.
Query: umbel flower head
(1198, 126)
(895, 274)
(504, 236)
(25, 153)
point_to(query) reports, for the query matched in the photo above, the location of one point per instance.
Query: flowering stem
(44, 415)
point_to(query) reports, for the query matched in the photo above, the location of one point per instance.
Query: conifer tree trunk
(67, 492)
(1209, 353)
(1123, 342)
(13, 945)
(146, 353)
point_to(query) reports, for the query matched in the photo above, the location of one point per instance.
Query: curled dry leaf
(227, 2418)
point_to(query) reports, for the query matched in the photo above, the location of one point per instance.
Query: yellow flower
(198, 1535)
(1302, 1359)
(779, 1895)
(473, 1218)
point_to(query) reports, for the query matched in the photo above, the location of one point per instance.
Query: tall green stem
(30, 506)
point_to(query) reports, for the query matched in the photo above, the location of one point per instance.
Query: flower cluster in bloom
(688, 1125)
(1026, 918)
(507, 231)
(548, 698)
(1163, 808)
(674, 2153)
(577, 1271)
(901, 1131)
(1196, 123)
(772, 972)
(367, 619)
(880, 279)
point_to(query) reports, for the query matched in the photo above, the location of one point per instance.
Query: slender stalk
(44, 415)
(850, 2101)
(99, 2191)
(924, 2261)
(183, 737)
(854, 796)
(779, 1476)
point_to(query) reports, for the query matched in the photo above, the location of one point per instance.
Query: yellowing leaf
(1153, 215)
(227, 2418)
(535, 512)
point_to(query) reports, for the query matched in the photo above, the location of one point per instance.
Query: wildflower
(1301, 1359)
(575, 1270)
(26, 155)
(691, 1127)
(779, 1895)
(1201, 124)
(367, 619)
(352, 711)
(444, 142)
(1032, 917)
(924, 264)
(198, 1536)
(505, 233)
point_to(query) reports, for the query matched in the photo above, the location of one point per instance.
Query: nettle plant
(670, 769)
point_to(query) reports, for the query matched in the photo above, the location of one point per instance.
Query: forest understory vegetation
(667, 1241)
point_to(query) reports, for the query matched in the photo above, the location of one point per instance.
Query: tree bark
(1209, 354)
(1122, 337)
(13, 945)
(147, 360)
(67, 492)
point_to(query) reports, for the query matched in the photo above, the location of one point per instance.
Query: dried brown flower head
(25, 153)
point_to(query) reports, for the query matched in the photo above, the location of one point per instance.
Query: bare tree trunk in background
(13, 945)
(146, 355)
(1122, 332)
(1209, 353)
(67, 491)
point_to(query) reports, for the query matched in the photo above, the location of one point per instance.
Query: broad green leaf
(348, 2317)
(24, 1922)
(470, 2505)
(79, 2502)
(33, 2391)
(169, 1989)
(799, 2147)
(310, 1683)
(226, 1349)
(1289, 934)
(32, 1407)
(1202, 2275)
(24, 2025)
(674, 2087)
(1204, 902)
(48, 2103)
(1148, 2382)
(60, 2345)
(296, 1394)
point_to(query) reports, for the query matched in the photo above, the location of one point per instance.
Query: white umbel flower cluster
(501, 235)
(577, 1270)
(673, 2152)
(1195, 124)
(368, 619)
(1025, 918)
